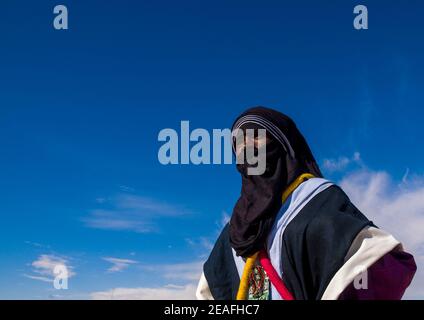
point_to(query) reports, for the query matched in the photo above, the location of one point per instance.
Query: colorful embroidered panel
(258, 284)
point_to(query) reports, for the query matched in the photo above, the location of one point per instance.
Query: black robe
(315, 244)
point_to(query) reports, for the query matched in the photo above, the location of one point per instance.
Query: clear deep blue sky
(80, 111)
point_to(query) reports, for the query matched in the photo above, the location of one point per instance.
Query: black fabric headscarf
(287, 156)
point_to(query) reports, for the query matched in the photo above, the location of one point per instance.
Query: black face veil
(287, 156)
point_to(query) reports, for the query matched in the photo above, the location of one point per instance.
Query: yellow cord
(250, 261)
(244, 282)
(294, 185)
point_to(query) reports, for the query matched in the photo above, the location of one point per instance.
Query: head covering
(287, 156)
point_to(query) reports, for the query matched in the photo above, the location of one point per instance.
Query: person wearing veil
(293, 235)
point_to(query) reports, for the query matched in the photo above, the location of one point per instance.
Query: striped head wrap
(268, 126)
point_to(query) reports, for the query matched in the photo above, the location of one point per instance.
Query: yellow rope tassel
(244, 282)
(250, 261)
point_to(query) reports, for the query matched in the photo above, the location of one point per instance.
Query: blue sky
(80, 111)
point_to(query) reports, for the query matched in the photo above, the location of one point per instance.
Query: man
(295, 235)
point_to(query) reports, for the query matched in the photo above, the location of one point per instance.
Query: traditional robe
(320, 244)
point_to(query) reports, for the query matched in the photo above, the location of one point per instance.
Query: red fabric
(274, 277)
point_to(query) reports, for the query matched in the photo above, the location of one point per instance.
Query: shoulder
(328, 210)
(318, 239)
(220, 249)
(220, 269)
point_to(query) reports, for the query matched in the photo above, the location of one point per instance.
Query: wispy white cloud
(405, 176)
(225, 218)
(129, 212)
(185, 274)
(119, 221)
(148, 206)
(43, 267)
(101, 200)
(203, 243)
(190, 271)
(341, 163)
(118, 264)
(40, 278)
(37, 245)
(125, 188)
(168, 292)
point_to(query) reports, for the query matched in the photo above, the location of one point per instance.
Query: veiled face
(255, 142)
(266, 152)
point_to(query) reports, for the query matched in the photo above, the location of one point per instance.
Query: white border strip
(369, 246)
